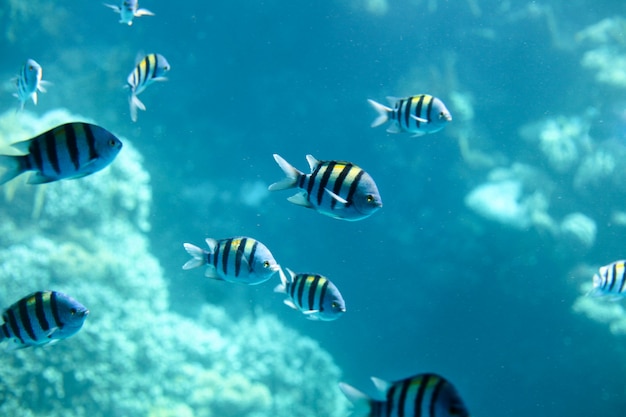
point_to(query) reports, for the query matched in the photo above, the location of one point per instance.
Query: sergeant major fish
(421, 395)
(419, 114)
(337, 189)
(610, 280)
(148, 70)
(236, 259)
(312, 294)
(68, 151)
(40, 318)
(128, 10)
(28, 82)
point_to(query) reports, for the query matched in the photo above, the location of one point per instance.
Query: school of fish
(336, 188)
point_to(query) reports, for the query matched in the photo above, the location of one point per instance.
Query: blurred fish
(28, 82)
(129, 10)
(421, 395)
(236, 259)
(312, 294)
(419, 114)
(148, 70)
(40, 318)
(610, 280)
(68, 151)
(337, 189)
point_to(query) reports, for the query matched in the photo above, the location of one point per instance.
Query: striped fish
(419, 114)
(236, 259)
(423, 395)
(68, 151)
(148, 70)
(610, 280)
(312, 294)
(128, 10)
(337, 189)
(28, 82)
(41, 318)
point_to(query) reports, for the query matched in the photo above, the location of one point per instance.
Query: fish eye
(30, 68)
(266, 264)
(112, 142)
(334, 304)
(369, 198)
(73, 311)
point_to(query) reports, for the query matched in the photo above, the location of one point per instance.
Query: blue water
(429, 285)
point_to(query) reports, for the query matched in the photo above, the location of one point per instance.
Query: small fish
(337, 189)
(28, 82)
(236, 259)
(129, 10)
(421, 395)
(610, 280)
(40, 318)
(419, 114)
(69, 151)
(148, 70)
(312, 294)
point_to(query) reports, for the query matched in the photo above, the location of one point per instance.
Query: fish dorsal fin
(336, 197)
(392, 100)
(292, 275)
(300, 200)
(312, 161)
(381, 385)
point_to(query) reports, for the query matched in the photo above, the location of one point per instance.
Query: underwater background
(475, 268)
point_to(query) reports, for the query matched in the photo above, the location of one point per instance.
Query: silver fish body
(237, 259)
(610, 280)
(128, 10)
(425, 394)
(312, 294)
(337, 189)
(420, 114)
(68, 151)
(29, 82)
(40, 318)
(148, 70)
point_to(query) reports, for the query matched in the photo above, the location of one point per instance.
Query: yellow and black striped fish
(68, 151)
(237, 259)
(419, 114)
(29, 82)
(422, 395)
(337, 189)
(148, 70)
(610, 280)
(40, 318)
(312, 294)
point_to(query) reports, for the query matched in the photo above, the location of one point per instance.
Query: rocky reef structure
(134, 356)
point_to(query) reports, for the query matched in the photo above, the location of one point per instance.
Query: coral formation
(134, 356)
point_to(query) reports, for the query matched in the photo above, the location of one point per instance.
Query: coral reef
(608, 54)
(135, 357)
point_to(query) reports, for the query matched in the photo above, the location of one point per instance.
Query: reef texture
(134, 357)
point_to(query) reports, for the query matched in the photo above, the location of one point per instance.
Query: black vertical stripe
(5, 330)
(353, 187)
(430, 109)
(39, 311)
(239, 255)
(328, 170)
(227, 246)
(72, 145)
(252, 254)
(434, 398)
(339, 182)
(407, 112)
(51, 148)
(418, 110)
(149, 70)
(623, 280)
(91, 140)
(54, 307)
(419, 398)
(311, 290)
(301, 285)
(323, 294)
(613, 276)
(25, 318)
(390, 404)
(402, 399)
(312, 176)
(35, 152)
(15, 328)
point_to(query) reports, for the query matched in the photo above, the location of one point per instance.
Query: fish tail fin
(135, 104)
(383, 112)
(11, 166)
(198, 256)
(361, 403)
(292, 175)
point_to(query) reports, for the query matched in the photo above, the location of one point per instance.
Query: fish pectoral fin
(115, 8)
(300, 200)
(51, 333)
(419, 119)
(311, 315)
(336, 197)
(143, 12)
